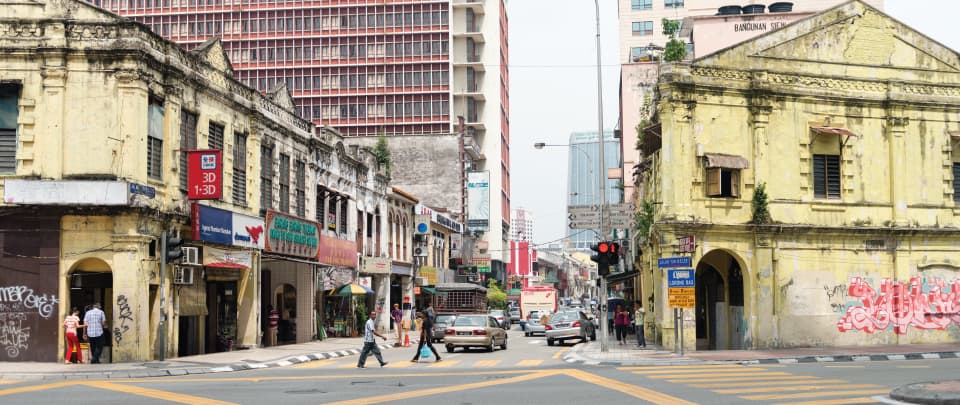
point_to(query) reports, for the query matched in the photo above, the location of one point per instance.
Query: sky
(553, 89)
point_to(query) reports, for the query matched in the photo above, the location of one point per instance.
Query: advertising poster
(478, 201)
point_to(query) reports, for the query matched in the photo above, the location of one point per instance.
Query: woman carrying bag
(426, 338)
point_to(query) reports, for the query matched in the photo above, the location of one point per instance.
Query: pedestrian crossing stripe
(779, 388)
(754, 378)
(699, 370)
(445, 364)
(752, 383)
(720, 374)
(346, 363)
(816, 394)
(486, 363)
(842, 401)
(704, 367)
(315, 364)
(529, 363)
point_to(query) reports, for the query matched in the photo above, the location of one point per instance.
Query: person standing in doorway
(397, 315)
(370, 343)
(71, 324)
(95, 321)
(638, 314)
(426, 337)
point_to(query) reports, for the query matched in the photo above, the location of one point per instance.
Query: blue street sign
(673, 262)
(681, 278)
(147, 191)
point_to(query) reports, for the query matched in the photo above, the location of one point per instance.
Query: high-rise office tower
(583, 179)
(369, 67)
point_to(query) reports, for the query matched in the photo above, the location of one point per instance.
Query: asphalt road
(529, 372)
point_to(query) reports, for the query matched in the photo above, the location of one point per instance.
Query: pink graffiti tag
(902, 305)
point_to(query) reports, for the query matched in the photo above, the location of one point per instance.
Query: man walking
(397, 316)
(95, 321)
(426, 337)
(638, 314)
(370, 343)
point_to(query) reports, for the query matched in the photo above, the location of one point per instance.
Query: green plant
(675, 50)
(759, 206)
(645, 218)
(360, 310)
(496, 298)
(382, 153)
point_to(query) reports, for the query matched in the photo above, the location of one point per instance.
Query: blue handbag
(424, 352)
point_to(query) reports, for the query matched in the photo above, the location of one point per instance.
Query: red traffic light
(614, 248)
(603, 247)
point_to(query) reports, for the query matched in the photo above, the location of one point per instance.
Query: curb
(573, 357)
(187, 370)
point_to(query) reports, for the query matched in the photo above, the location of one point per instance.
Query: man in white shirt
(96, 322)
(370, 343)
(638, 315)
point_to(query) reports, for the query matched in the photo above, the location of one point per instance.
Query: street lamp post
(603, 192)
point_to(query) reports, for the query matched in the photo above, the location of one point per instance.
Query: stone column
(896, 128)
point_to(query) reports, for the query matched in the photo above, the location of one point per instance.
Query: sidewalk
(629, 355)
(277, 356)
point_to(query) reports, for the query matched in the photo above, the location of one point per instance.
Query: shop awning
(621, 277)
(429, 290)
(726, 161)
(834, 131)
(513, 291)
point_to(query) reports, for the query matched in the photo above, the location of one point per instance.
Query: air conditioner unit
(420, 251)
(421, 281)
(182, 275)
(191, 256)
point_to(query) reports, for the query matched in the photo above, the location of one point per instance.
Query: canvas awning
(824, 130)
(726, 161)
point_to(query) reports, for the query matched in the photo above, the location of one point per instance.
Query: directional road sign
(584, 216)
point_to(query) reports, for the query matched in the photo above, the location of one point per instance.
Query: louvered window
(240, 168)
(956, 182)
(826, 176)
(155, 139)
(9, 94)
(215, 141)
(342, 228)
(284, 183)
(723, 182)
(266, 178)
(301, 186)
(188, 141)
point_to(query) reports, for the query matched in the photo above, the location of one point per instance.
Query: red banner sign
(337, 252)
(204, 174)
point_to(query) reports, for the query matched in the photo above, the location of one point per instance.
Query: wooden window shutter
(735, 183)
(713, 182)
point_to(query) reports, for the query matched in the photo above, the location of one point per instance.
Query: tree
(382, 152)
(496, 298)
(761, 212)
(676, 49)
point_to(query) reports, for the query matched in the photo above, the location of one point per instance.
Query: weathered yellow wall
(851, 68)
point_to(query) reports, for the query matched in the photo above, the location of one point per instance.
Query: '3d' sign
(204, 174)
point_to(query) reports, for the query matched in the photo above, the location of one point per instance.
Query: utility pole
(161, 340)
(603, 192)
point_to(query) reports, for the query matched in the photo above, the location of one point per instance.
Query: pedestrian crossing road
(770, 384)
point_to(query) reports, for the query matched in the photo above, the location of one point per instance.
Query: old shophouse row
(848, 120)
(96, 112)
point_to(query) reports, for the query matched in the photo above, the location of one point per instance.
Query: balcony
(476, 5)
(466, 61)
(471, 146)
(470, 91)
(477, 36)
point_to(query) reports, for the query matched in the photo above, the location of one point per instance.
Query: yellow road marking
(641, 368)
(754, 378)
(166, 380)
(861, 400)
(794, 388)
(632, 390)
(316, 364)
(815, 394)
(700, 371)
(442, 390)
(763, 383)
(736, 374)
(560, 353)
(843, 366)
(351, 364)
(486, 363)
(444, 364)
(400, 364)
(152, 393)
(529, 363)
(913, 366)
(32, 388)
(7, 382)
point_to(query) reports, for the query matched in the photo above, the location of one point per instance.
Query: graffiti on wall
(901, 306)
(19, 305)
(125, 314)
(837, 296)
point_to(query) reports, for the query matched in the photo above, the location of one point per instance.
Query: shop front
(378, 270)
(335, 300)
(401, 288)
(215, 290)
(287, 279)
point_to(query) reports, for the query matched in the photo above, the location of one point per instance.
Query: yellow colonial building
(849, 121)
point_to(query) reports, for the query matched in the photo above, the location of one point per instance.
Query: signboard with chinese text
(687, 244)
(204, 174)
(337, 252)
(292, 236)
(375, 265)
(681, 288)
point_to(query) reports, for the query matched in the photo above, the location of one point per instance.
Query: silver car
(440, 325)
(569, 325)
(534, 325)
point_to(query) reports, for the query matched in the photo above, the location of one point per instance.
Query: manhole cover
(301, 392)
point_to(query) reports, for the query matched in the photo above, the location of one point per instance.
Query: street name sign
(674, 262)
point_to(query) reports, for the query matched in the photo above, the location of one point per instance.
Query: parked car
(501, 317)
(569, 325)
(533, 323)
(514, 315)
(475, 330)
(440, 324)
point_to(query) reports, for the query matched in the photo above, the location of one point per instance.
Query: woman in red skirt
(71, 324)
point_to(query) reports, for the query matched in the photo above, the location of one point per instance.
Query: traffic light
(174, 248)
(613, 257)
(601, 258)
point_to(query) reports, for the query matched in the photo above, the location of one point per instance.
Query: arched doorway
(91, 282)
(285, 301)
(719, 295)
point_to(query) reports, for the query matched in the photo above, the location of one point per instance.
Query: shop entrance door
(222, 315)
